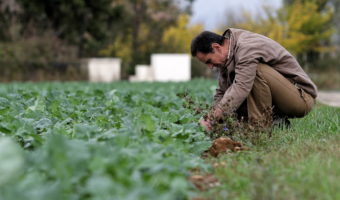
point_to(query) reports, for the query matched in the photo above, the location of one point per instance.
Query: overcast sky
(212, 13)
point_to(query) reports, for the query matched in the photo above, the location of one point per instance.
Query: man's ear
(215, 45)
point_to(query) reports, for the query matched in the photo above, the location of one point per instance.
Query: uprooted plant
(230, 125)
(239, 128)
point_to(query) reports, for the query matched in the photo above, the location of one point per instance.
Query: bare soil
(204, 182)
(224, 145)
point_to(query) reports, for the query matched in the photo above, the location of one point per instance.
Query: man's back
(249, 49)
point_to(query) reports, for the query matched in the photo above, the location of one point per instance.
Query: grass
(302, 162)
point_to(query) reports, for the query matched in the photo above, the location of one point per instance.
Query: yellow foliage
(122, 45)
(307, 27)
(120, 48)
(300, 27)
(144, 39)
(177, 39)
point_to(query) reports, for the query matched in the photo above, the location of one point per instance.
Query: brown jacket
(247, 50)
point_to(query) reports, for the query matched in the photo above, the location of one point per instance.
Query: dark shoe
(281, 122)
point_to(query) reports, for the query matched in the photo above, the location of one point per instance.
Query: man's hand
(206, 124)
(218, 113)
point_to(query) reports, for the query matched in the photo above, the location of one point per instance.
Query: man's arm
(229, 99)
(245, 73)
(205, 122)
(219, 91)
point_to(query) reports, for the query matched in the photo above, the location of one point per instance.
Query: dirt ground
(331, 98)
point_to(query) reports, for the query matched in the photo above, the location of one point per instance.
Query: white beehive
(144, 73)
(171, 67)
(104, 69)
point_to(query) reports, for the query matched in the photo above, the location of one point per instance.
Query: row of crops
(101, 141)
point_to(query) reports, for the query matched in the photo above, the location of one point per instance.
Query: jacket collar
(228, 35)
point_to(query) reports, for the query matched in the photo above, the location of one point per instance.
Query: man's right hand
(206, 124)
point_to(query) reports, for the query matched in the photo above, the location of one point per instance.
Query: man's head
(210, 49)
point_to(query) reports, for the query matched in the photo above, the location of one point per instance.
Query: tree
(178, 38)
(145, 23)
(335, 4)
(84, 23)
(310, 22)
(129, 29)
(303, 27)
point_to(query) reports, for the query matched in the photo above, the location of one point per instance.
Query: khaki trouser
(272, 91)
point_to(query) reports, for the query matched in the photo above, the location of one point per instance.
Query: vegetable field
(142, 141)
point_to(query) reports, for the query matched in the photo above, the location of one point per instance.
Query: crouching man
(256, 74)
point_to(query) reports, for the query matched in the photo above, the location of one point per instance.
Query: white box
(104, 69)
(171, 67)
(133, 78)
(144, 73)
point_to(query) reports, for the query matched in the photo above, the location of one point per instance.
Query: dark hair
(202, 42)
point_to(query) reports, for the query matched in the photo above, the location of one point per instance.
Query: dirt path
(331, 98)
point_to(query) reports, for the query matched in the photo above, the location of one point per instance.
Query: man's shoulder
(244, 38)
(237, 31)
(241, 33)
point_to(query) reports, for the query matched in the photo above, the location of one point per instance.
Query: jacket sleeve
(245, 73)
(219, 91)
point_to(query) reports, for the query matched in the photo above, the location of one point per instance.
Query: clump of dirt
(219, 164)
(221, 145)
(224, 145)
(204, 182)
(199, 198)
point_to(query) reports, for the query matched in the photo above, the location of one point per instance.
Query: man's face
(216, 58)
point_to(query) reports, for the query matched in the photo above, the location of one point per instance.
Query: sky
(212, 13)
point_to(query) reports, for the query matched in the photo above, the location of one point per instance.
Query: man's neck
(226, 45)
